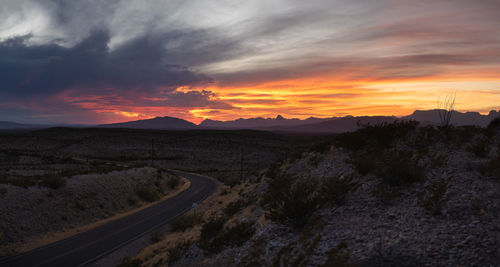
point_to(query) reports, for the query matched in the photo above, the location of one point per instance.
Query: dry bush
(491, 169)
(234, 207)
(147, 193)
(435, 196)
(339, 256)
(399, 168)
(185, 222)
(291, 201)
(176, 252)
(53, 181)
(335, 189)
(480, 147)
(173, 182)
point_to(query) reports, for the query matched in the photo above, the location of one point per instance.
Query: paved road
(88, 247)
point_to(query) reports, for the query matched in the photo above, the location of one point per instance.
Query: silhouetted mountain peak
(155, 123)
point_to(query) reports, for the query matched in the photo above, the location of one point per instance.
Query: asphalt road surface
(88, 247)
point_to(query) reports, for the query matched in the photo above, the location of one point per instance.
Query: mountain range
(310, 125)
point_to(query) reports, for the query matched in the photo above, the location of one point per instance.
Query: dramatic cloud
(111, 60)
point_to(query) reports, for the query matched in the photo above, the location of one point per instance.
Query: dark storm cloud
(141, 64)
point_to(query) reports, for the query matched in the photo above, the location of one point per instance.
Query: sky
(105, 61)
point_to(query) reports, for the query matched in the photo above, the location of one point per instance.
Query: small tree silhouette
(445, 109)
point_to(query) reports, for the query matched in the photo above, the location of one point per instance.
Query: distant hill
(457, 118)
(6, 125)
(338, 125)
(260, 123)
(165, 123)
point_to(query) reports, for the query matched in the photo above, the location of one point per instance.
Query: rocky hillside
(57, 204)
(394, 194)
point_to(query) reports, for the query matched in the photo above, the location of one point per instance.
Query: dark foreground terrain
(391, 194)
(55, 181)
(395, 194)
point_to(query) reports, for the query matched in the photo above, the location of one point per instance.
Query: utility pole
(241, 163)
(152, 151)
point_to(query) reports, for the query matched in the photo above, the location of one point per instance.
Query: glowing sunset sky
(65, 61)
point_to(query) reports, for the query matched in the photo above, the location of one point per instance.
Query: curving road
(88, 247)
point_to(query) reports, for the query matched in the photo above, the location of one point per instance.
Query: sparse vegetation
(291, 201)
(480, 147)
(213, 236)
(339, 256)
(176, 252)
(398, 168)
(53, 181)
(185, 222)
(173, 182)
(335, 189)
(3, 191)
(147, 194)
(434, 196)
(491, 168)
(445, 110)
(233, 207)
(132, 201)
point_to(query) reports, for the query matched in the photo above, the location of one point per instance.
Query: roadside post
(194, 206)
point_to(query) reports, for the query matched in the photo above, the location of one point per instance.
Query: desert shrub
(434, 197)
(338, 256)
(53, 181)
(155, 237)
(315, 160)
(495, 123)
(209, 231)
(79, 206)
(255, 253)
(274, 170)
(377, 136)
(147, 194)
(335, 189)
(176, 252)
(480, 147)
(24, 181)
(424, 137)
(291, 201)
(128, 262)
(386, 193)
(233, 236)
(3, 191)
(238, 234)
(233, 207)
(320, 147)
(491, 168)
(398, 168)
(395, 168)
(224, 192)
(438, 160)
(173, 182)
(230, 181)
(212, 228)
(364, 163)
(184, 222)
(132, 201)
